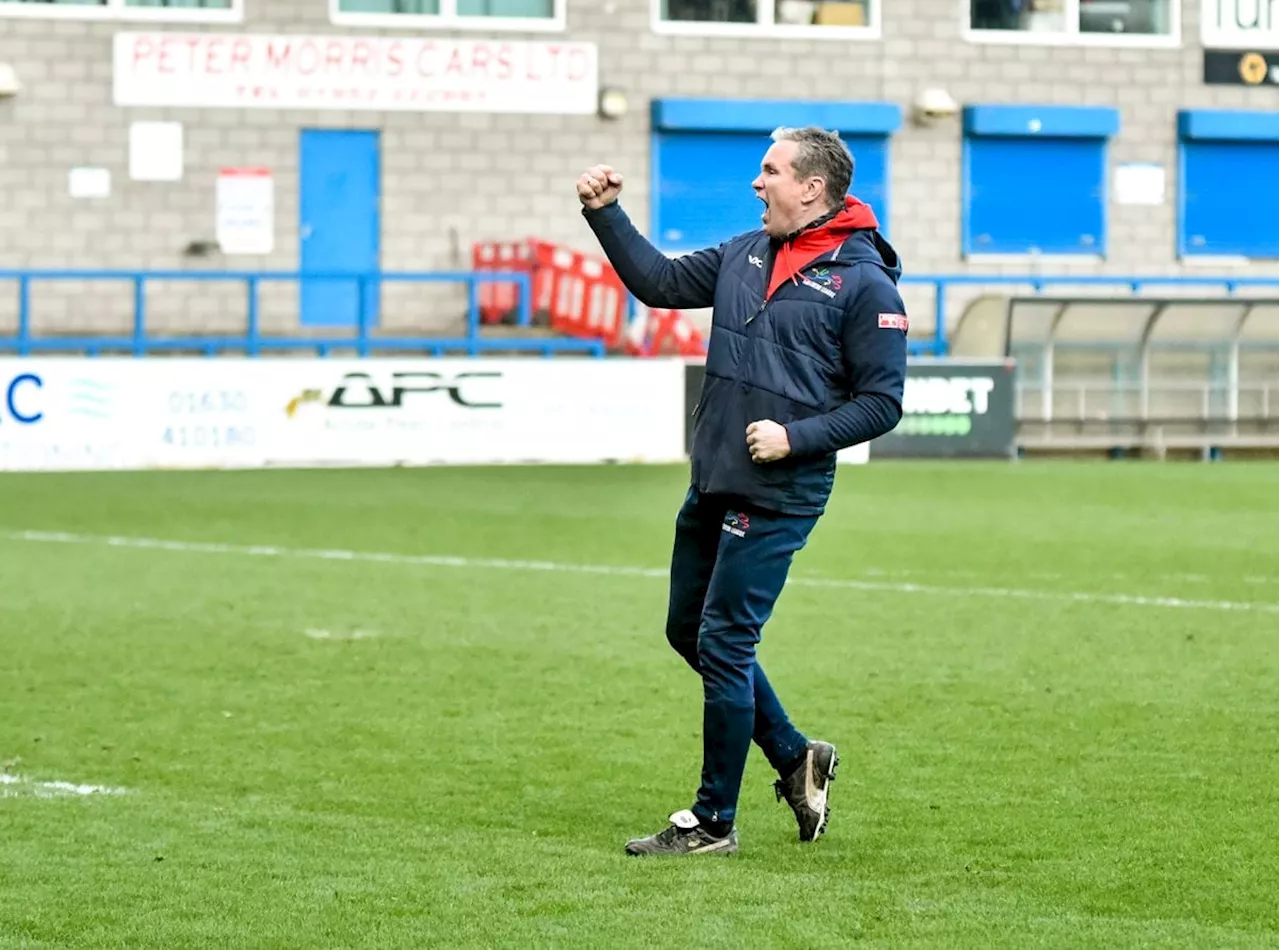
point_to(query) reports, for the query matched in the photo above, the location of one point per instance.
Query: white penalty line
(473, 563)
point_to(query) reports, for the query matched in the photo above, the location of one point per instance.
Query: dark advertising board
(951, 409)
(1235, 67)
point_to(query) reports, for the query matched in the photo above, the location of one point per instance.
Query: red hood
(811, 243)
(852, 217)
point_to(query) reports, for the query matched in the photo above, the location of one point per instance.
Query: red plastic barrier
(497, 300)
(583, 294)
(668, 332)
(578, 295)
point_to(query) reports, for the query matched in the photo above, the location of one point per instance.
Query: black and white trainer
(806, 789)
(684, 836)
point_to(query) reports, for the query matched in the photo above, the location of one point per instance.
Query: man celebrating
(807, 355)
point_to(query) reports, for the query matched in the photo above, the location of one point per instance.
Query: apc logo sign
(22, 399)
(361, 391)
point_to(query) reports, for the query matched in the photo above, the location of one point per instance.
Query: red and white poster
(436, 74)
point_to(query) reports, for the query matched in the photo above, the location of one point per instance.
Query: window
(1035, 180)
(453, 14)
(706, 153)
(206, 11)
(809, 18)
(1111, 22)
(1229, 184)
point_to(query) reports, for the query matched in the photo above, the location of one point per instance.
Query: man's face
(789, 202)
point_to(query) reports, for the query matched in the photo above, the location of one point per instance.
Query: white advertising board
(65, 414)
(405, 73)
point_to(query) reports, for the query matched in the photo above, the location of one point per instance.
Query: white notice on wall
(155, 151)
(245, 211)
(89, 183)
(1139, 183)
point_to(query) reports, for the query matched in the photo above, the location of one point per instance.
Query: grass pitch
(346, 710)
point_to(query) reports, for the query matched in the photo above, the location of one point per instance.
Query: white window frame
(449, 19)
(1071, 36)
(117, 10)
(765, 27)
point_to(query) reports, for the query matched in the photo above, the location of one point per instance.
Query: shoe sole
(832, 767)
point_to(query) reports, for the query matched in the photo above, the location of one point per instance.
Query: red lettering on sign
(333, 56)
(241, 52)
(142, 49)
(189, 65)
(455, 62)
(213, 56)
(278, 57)
(165, 65)
(308, 58)
(504, 62)
(360, 56)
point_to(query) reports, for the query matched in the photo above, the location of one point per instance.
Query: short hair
(823, 154)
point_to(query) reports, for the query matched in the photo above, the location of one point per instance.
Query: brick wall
(451, 179)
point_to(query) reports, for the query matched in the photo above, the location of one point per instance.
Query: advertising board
(951, 409)
(233, 413)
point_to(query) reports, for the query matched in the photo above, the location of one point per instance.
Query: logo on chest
(823, 281)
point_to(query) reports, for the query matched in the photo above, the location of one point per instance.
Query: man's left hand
(767, 441)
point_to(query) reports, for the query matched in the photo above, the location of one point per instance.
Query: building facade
(992, 136)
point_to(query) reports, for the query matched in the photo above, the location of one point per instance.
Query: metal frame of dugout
(1151, 374)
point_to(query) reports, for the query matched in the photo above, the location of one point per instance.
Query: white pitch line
(477, 563)
(316, 633)
(48, 789)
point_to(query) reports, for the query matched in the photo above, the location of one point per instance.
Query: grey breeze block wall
(451, 179)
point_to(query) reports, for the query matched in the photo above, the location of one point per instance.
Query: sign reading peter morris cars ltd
(425, 74)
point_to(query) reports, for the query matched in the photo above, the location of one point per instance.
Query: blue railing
(362, 341)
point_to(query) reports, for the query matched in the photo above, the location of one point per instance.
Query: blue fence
(363, 342)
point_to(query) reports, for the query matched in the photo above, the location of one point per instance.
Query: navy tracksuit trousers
(728, 566)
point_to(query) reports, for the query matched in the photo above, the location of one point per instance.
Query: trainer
(807, 356)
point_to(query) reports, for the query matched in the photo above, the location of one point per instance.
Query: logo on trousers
(736, 523)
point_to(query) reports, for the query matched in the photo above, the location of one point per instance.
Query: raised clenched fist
(598, 186)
